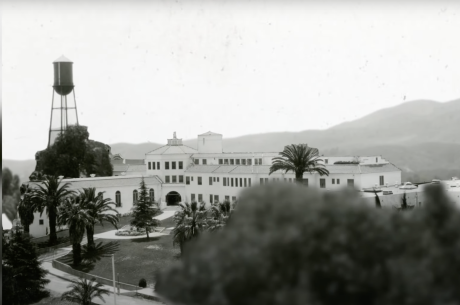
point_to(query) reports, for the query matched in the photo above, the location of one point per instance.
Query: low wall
(109, 282)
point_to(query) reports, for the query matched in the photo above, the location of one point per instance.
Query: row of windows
(322, 182)
(243, 182)
(265, 180)
(156, 165)
(212, 198)
(232, 161)
(173, 179)
(135, 197)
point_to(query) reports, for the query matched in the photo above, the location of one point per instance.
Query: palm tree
(99, 209)
(26, 208)
(299, 158)
(76, 218)
(190, 221)
(50, 195)
(84, 291)
(220, 214)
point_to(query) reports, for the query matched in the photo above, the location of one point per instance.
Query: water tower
(63, 106)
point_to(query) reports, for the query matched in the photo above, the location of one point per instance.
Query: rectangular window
(243, 161)
(174, 179)
(167, 179)
(225, 181)
(181, 179)
(216, 198)
(351, 182)
(256, 162)
(150, 165)
(260, 161)
(249, 161)
(249, 182)
(232, 162)
(241, 182)
(181, 165)
(213, 179)
(233, 198)
(210, 199)
(261, 180)
(236, 182)
(333, 181)
(204, 162)
(326, 161)
(200, 197)
(191, 178)
(227, 198)
(210, 180)
(305, 182)
(197, 161)
(199, 181)
(338, 181)
(266, 180)
(232, 182)
(153, 165)
(166, 165)
(382, 181)
(41, 222)
(217, 179)
(322, 183)
(226, 161)
(245, 182)
(158, 165)
(193, 197)
(187, 180)
(173, 165)
(237, 161)
(221, 161)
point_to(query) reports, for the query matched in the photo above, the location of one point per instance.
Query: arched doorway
(173, 198)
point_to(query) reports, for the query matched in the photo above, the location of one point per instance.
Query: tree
(276, 251)
(49, 195)
(99, 210)
(72, 154)
(10, 193)
(76, 218)
(84, 291)
(299, 158)
(23, 279)
(26, 208)
(220, 215)
(190, 221)
(144, 210)
(377, 200)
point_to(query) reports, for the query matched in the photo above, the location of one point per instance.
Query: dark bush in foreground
(291, 245)
(142, 283)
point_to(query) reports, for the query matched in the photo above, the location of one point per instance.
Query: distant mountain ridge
(417, 136)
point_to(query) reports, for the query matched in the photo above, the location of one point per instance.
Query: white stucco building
(178, 173)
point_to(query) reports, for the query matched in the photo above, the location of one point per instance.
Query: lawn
(134, 258)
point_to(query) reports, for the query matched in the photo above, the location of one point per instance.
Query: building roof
(378, 168)
(120, 167)
(135, 161)
(111, 181)
(233, 154)
(172, 149)
(210, 133)
(62, 59)
(136, 168)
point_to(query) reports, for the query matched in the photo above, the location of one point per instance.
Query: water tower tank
(63, 78)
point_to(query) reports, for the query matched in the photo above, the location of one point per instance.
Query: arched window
(101, 194)
(152, 195)
(135, 196)
(118, 198)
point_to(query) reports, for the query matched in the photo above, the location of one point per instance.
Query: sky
(144, 69)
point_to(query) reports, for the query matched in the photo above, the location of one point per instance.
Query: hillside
(420, 137)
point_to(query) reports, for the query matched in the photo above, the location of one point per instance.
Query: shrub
(143, 283)
(287, 244)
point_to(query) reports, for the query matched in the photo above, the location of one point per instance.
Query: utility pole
(114, 292)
